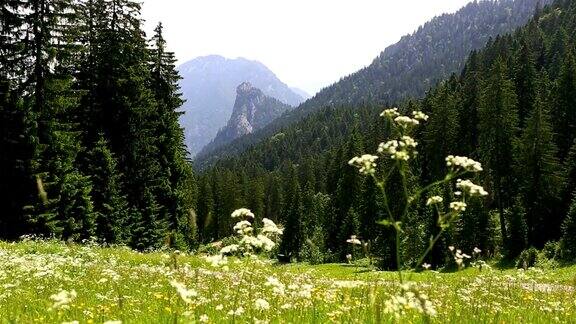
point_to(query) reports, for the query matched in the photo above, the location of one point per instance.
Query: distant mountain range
(252, 111)
(209, 87)
(408, 68)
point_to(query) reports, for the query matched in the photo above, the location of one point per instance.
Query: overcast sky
(309, 44)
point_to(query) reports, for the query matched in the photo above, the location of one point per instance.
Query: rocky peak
(252, 110)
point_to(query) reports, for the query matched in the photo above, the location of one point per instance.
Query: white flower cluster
(242, 212)
(462, 162)
(434, 200)
(354, 240)
(366, 163)
(420, 115)
(458, 206)
(185, 293)
(243, 227)
(249, 242)
(459, 257)
(399, 149)
(63, 298)
(390, 113)
(470, 188)
(410, 299)
(405, 121)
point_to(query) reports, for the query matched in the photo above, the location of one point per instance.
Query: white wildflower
(405, 121)
(113, 322)
(243, 227)
(261, 304)
(461, 162)
(458, 206)
(420, 115)
(471, 188)
(366, 163)
(216, 260)
(426, 266)
(63, 298)
(391, 113)
(434, 200)
(269, 227)
(204, 318)
(354, 240)
(242, 212)
(232, 248)
(185, 294)
(477, 250)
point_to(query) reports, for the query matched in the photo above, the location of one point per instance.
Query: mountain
(252, 110)
(409, 67)
(301, 92)
(511, 107)
(209, 86)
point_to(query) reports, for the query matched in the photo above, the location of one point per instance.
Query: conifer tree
(292, 239)
(498, 123)
(539, 171)
(565, 113)
(568, 242)
(525, 77)
(518, 230)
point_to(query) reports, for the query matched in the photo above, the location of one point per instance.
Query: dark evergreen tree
(518, 230)
(498, 123)
(292, 239)
(568, 242)
(539, 172)
(565, 113)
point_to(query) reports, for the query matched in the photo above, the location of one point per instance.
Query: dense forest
(90, 145)
(513, 108)
(408, 68)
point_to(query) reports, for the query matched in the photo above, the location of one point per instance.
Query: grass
(116, 284)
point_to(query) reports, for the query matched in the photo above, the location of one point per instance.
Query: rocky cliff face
(209, 85)
(252, 111)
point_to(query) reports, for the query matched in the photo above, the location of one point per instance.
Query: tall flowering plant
(401, 150)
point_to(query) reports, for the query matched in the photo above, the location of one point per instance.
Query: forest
(92, 149)
(511, 108)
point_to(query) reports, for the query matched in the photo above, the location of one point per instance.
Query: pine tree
(292, 239)
(565, 101)
(568, 242)
(540, 177)
(205, 210)
(110, 205)
(525, 77)
(498, 122)
(518, 230)
(350, 226)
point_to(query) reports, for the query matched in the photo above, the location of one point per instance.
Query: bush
(528, 258)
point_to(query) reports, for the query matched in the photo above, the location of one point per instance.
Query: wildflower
(366, 163)
(63, 298)
(219, 307)
(405, 121)
(420, 115)
(471, 188)
(426, 266)
(451, 248)
(461, 162)
(349, 257)
(266, 243)
(434, 200)
(269, 227)
(261, 304)
(398, 149)
(216, 260)
(185, 294)
(243, 227)
(113, 322)
(477, 250)
(354, 240)
(391, 113)
(71, 322)
(242, 212)
(204, 318)
(458, 206)
(232, 248)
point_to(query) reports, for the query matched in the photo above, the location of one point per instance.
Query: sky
(308, 44)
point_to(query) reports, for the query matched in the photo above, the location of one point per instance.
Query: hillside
(517, 91)
(408, 68)
(209, 87)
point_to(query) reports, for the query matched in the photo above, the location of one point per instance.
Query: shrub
(527, 258)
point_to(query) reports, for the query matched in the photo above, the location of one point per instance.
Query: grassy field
(50, 282)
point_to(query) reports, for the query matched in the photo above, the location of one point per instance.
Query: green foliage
(568, 242)
(517, 240)
(527, 259)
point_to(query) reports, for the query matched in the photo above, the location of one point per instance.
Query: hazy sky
(309, 44)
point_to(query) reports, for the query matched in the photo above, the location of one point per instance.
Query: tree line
(90, 145)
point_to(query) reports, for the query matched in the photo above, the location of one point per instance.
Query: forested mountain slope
(512, 107)
(409, 67)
